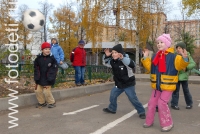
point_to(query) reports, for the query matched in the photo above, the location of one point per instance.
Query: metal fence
(92, 72)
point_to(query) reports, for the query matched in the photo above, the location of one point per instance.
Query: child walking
(122, 67)
(45, 70)
(183, 80)
(164, 67)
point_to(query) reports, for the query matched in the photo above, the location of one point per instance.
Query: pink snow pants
(161, 99)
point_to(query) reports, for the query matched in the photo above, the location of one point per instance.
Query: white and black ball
(33, 19)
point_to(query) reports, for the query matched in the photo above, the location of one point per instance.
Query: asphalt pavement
(84, 115)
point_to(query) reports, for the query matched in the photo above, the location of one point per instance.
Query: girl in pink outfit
(164, 67)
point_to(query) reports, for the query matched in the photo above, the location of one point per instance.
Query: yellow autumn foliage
(191, 5)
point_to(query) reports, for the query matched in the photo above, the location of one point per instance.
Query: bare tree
(64, 24)
(23, 32)
(46, 7)
(178, 27)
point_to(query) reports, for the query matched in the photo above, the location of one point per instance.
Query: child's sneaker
(189, 107)
(78, 84)
(147, 126)
(108, 111)
(41, 105)
(175, 107)
(156, 108)
(167, 128)
(52, 105)
(142, 116)
(83, 83)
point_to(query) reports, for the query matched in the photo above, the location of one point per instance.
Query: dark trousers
(187, 95)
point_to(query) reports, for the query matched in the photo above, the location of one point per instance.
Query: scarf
(160, 61)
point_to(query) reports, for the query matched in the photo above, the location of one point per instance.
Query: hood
(55, 44)
(171, 50)
(41, 55)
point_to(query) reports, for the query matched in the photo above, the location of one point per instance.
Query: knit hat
(81, 42)
(118, 48)
(181, 44)
(45, 45)
(165, 38)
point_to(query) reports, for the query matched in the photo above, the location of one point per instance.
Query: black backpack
(72, 55)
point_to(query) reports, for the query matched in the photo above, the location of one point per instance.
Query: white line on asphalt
(114, 123)
(80, 110)
(199, 103)
(36, 115)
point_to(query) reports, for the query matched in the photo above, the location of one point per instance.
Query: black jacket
(45, 70)
(123, 74)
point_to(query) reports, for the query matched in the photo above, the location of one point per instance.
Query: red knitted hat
(45, 45)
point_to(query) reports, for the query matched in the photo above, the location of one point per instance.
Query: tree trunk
(117, 22)
(137, 58)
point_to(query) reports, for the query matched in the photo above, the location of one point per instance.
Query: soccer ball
(33, 19)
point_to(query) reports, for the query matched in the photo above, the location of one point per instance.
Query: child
(124, 80)
(164, 67)
(57, 51)
(79, 63)
(183, 80)
(45, 70)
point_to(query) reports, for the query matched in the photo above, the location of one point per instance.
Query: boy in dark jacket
(45, 70)
(122, 67)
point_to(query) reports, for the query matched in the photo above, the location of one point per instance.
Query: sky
(34, 5)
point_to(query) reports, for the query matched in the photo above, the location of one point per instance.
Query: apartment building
(177, 26)
(160, 25)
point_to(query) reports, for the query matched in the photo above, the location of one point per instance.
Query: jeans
(187, 95)
(161, 99)
(130, 92)
(79, 74)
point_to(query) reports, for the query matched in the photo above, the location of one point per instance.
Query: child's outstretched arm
(181, 62)
(106, 58)
(146, 61)
(127, 61)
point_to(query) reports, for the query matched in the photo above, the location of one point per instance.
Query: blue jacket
(57, 52)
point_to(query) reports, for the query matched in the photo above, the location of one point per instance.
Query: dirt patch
(27, 85)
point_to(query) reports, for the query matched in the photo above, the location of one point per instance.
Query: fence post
(20, 67)
(62, 71)
(90, 73)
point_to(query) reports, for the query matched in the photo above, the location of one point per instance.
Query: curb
(30, 99)
(193, 81)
